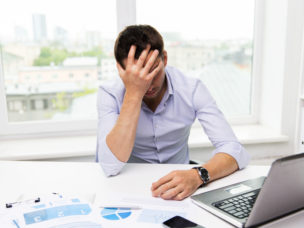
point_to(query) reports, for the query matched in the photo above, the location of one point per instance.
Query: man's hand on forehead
(145, 57)
(139, 73)
(150, 53)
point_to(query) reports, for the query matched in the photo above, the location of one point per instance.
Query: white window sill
(82, 146)
(247, 134)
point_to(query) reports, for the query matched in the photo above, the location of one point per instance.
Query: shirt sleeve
(107, 115)
(216, 127)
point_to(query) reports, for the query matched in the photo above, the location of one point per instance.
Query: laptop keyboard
(238, 206)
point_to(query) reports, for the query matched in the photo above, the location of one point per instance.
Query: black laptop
(257, 201)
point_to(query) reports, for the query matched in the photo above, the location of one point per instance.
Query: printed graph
(115, 213)
(56, 212)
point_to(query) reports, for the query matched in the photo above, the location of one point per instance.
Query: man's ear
(165, 57)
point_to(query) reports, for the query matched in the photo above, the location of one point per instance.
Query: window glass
(210, 40)
(53, 53)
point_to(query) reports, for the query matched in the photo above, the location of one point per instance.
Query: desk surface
(88, 181)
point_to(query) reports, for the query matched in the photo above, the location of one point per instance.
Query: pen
(10, 205)
(124, 207)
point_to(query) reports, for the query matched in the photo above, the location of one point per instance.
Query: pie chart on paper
(115, 213)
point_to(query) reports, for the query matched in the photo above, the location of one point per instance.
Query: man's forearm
(121, 138)
(220, 165)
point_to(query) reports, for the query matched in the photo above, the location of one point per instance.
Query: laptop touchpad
(237, 189)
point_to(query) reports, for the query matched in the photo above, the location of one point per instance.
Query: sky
(193, 19)
(75, 16)
(202, 19)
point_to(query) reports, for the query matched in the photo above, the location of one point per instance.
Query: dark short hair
(140, 36)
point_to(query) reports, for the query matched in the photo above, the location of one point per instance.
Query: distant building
(28, 102)
(108, 69)
(11, 65)
(75, 110)
(230, 85)
(93, 39)
(28, 52)
(82, 75)
(21, 34)
(107, 46)
(39, 28)
(189, 57)
(60, 35)
(170, 37)
(81, 61)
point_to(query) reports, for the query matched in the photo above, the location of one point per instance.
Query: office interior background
(55, 54)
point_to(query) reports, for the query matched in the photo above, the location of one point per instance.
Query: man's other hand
(177, 185)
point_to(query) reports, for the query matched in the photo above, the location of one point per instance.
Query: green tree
(56, 56)
(49, 55)
(60, 102)
(94, 52)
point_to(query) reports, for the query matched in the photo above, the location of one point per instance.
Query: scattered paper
(157, 216)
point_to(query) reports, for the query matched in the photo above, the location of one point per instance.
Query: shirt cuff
(109, 163)
(237, 151)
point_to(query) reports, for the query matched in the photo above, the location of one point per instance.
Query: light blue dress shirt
(162, 136)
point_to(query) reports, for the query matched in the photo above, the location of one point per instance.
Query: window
(210, 40)
(43, 49)
(38, 43)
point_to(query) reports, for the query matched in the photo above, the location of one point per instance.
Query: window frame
(126, 14)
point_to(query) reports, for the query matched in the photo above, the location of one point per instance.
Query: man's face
(157, 85)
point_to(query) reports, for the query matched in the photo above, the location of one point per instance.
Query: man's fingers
(163, 188)
(161, 181)
(148, 57)
(151, 61)
(155, 71)
(143, 56)
(180, 196)
(131, 55)
(172, 193)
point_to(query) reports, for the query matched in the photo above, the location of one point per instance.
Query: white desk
(88, 180)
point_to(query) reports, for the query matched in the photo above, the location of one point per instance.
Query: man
(147, 116)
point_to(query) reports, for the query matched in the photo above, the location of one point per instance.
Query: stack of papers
(54, 211)
(59, 211)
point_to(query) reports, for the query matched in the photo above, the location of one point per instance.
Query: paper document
(52, 211)
(58, 211)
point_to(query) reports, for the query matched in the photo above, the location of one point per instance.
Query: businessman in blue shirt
(146, 116)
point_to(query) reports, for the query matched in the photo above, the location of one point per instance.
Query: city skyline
(75, 17)
(46, 51)
(100, 16)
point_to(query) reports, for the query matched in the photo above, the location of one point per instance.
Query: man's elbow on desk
(110, 169)
(109, 163)
(236, 151)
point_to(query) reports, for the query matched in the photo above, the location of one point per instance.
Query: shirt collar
(169, 82)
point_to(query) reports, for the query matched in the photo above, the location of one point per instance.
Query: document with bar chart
(53, 211)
